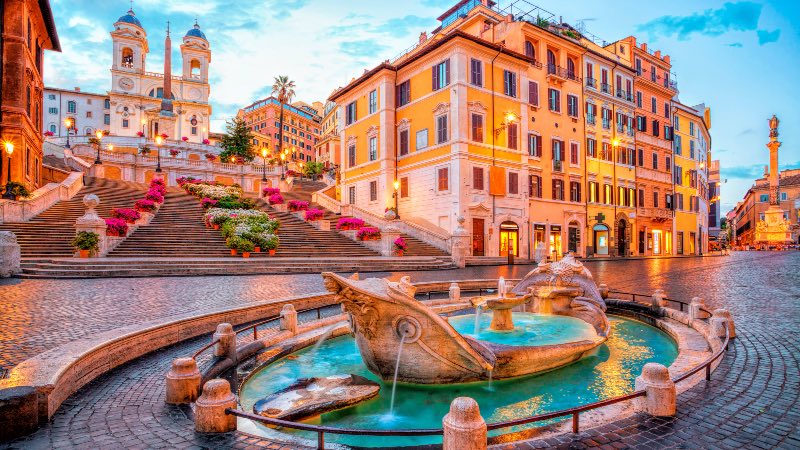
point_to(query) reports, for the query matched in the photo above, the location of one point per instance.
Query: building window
(593, 191)
(373, 148)
(71, 106)
(591, 113)
(477, 178)
(655, 161)
(88, 114)
(621, 197)
(575, 191)
(443, 179)
(535, 186)
(441, 75)
(513, 136)
(530, 50)
(666, 110)
(125, 123)
(533, 93)
(351, 155)
(373, 191)
(557, 150)
(403, 142)
(655, 128)
(52, 128)
(477, 127)
(404, 93)
(667, 163)
(107, 104)
(513, 183)
(606, 117)
(441, 129)
(351, 195)
(51, 96)
(404, 187)
(641, 198)
(574, 157)
(350, 111)
(551, 62)
(572, 105)
(554, 100)
(653, 105)
(558, 189)
(509, 83)
(591, 148)
(535, 145)
(476, 72)
(422, 139)
(53, 110)
(373, 101)
(608, 194)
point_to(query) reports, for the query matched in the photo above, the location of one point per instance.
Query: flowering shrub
(211, 157)
(400, 244)
(126, 214)
(297, 205)
(217, 192)
(240, 244)
(155, 196)
(208, 203)
(368, 233)
(144, 205)
(349, 223)
(49, 133)
(314, 214)
(140, 133)
(184, 139)
(174, 152)
(164, 135)
(269, 191)
(276, 199)
(116, 227)
(183, 180)
(218, 216)
(206, 141)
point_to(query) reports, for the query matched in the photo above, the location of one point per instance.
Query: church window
(127, 58)
(194, 67)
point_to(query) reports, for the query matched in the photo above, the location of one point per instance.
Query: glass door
(509, 239)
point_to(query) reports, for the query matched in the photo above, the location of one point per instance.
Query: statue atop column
(774, 145)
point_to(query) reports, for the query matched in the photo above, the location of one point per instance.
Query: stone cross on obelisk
(773, 146)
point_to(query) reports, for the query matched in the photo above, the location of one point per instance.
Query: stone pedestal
(719, 320)
(289, 319)
(695, 308)
(93, 223)
(661, 398)
(226, 347)
(209, 411)
(460, 244)
(183, 381)
(19, 412)
(9, 254)
(455, 292)
(389, 234)
(464, 428)
(603, 290)
(658, 299)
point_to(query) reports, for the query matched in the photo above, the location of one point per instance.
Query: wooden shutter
(435, 77)
(497, 180)
(447, 72)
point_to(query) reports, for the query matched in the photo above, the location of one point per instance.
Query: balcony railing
(605, 88)
(591, 120)
(560, 72)
(591, 82)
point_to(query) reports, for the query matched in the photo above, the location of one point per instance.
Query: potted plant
(206, 141)
(369, 234)
(18, 190)
(144, 151)
(270, 191)
(314, 214)
(145, 205)
(400, 246)
(49, 134)
(127, 214)
(174, 152)
(349, 223)
(297, 205)
(185, 139)
(270, 243)
(116, 227)
(276, 199)
(154, 195)
(390, 213)
(86, 242)
(207, 203)
(140, 133)
(211, 157)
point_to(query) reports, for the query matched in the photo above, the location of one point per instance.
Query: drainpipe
(2, 30)
(494, 135)
(396, 148)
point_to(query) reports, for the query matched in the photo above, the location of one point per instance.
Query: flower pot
(400, 253)
(233, 252)
(272, 252)
(216, 227)
(245, 254)
(84, 253)
(257, 250)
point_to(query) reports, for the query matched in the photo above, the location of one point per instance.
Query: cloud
(740, 16)
(366, 48)
(736, 45)
(765, 37)
(743, 172)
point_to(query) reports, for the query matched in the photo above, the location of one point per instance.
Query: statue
(773, 126)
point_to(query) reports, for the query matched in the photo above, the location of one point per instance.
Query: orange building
(655, 86)
(301, 125)
(27, 29)
(328, 146)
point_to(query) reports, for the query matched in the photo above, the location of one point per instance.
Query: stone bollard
(661, 398)
(719, 319)
(603, 290)
(464, 428)
(658, 299)
(93, 223)
(209, 410)
(9, 254)
(226, 347)
(183, 381)
(455, 293)
(460, 244)
(289, 318)
(389, 234)
(694, 308)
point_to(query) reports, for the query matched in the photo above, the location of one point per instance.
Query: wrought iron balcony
(591, 82)
(605, 88)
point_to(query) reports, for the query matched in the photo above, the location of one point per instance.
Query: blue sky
(739, 57)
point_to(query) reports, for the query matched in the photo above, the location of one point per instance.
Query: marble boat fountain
(401, 339)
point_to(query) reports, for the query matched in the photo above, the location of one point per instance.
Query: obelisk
(166, 101)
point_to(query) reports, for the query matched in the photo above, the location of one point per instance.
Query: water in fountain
(478, 311)
(396, 368)
(325, 335)
(501, 287)
(489, 386)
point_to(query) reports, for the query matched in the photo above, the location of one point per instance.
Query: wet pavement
(751, 402)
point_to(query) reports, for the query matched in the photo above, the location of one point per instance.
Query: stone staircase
(302, 190)
(50, 233)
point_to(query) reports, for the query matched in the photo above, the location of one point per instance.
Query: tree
(237, 141)
(312, 168)
(283, 89)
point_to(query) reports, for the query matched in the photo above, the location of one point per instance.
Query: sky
(739, 57)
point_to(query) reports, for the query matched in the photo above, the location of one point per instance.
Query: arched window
(159, 93)
(530, 51)
(194, 68)
(52, 128)
(88, 131)
(570, 68)
(551, 62)
(71, 106)
(127, 58)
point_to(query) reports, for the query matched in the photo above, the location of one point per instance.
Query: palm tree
(283, 88)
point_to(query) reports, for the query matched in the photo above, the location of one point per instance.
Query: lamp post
(301, 170)
(264, 167)
(99, 134)
(9, 147)
(396, 194)
(159, 140)
(144, 122)
(68, 123)
(283, 166)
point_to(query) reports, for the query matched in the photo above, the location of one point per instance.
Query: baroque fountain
(535, 347)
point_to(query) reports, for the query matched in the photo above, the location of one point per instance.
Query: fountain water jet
(396, 367)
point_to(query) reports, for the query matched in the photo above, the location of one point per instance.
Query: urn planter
(233, 252)
(272, 253)
(245, 254)
(257, 250)
(84, 253)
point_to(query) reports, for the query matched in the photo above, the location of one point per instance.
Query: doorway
(509, 238)
(555, 242)
(478, 237)
(600, 239)
(642, 248)
(573, 237)
(622, 238)
(657, 242)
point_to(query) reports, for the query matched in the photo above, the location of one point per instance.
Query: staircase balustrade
(40, 200)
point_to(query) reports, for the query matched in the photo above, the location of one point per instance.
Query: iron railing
(573, 412)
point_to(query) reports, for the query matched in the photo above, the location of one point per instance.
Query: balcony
(654, 175)
(591, 120)
(561, 74)
(591, 82)
(605, 88)
(558, 166)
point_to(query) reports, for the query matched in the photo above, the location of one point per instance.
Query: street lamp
(99, 134)
(283, 166)
(144, 122)
(264, 167)
(159, 140)
(111, 147)
(9, 149)
(68, 123)
(396, 194)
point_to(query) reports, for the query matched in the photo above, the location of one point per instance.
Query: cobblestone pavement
(751, 402)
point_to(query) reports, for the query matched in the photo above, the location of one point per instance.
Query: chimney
(423, 37)
(666, 59)
(77, 89)
(658, 54)
(644, 46)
